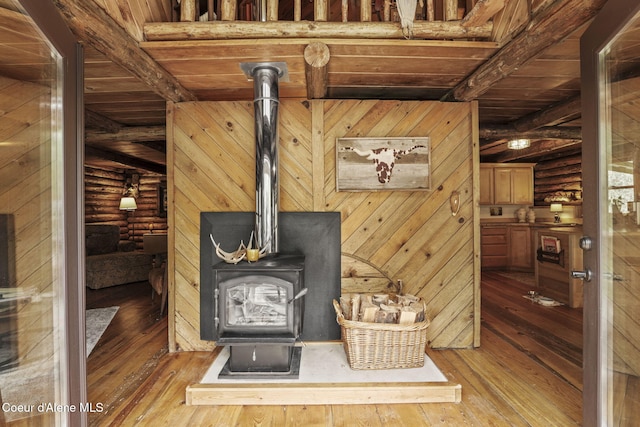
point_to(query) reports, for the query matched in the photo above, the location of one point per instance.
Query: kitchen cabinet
(506, 184)
(506, 246)
(494, 247)
(553, 271)
(486, 185)
(520, 250)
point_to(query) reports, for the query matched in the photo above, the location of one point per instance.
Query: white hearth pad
(327, 363)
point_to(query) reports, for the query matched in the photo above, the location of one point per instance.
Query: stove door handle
(216, 318)
(300, 294)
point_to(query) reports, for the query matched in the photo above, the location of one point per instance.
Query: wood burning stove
(257, 308)
(258, 312)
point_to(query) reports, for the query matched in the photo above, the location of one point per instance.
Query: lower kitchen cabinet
(506, 246)
(553, 270)
(494, 247)
(520, 250)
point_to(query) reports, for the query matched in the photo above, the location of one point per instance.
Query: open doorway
(125, 293)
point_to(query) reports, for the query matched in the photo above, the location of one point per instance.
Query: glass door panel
(34, 243)
(611, 101)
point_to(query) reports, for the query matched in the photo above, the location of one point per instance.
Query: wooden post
(272, 10)
(320, 10)
(316, 58)
(211, 10)
(297, 10)
(387, 10)
(228, 10)
(187, 10)
(431, 13)
(365, 10)
(451, 10)
(175, 14)
(345, 10)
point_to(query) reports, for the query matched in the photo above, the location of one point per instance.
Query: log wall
(103, 190)
(559, 178)
(386, 236)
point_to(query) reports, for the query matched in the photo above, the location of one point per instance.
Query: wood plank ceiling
(525, 75)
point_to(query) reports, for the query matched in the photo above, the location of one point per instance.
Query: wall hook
(454, 202)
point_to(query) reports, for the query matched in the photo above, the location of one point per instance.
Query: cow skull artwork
(405, 159)
(384, 159)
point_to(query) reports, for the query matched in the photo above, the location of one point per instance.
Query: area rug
(539, 299)
(97, 321)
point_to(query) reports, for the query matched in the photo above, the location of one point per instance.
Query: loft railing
(241, 19)
(250, 10)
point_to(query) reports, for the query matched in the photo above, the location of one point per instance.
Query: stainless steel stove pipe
(265, 84)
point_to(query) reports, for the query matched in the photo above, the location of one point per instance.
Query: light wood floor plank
(527, 372)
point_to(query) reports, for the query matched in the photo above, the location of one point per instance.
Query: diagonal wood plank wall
(386, 236)
(25, 193)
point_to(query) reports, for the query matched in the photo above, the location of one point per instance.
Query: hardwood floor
(527, 371)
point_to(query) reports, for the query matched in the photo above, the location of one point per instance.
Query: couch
(109, 261)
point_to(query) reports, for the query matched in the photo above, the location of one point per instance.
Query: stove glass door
(256, 301)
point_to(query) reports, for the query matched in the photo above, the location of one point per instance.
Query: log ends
(316, 60)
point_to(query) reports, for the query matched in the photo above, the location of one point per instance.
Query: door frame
(604, 28)
(73, 362)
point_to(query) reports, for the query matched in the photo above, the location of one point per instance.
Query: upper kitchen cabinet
(506, 184)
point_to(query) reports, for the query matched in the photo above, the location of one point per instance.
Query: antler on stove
(230, 257)
(237, 255)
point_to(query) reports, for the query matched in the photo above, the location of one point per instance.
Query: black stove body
(256, 312)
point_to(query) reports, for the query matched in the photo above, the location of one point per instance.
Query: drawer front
(494, 230)
(494, 240)
(494, 250)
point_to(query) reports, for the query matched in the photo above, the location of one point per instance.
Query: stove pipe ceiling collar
(266, 76)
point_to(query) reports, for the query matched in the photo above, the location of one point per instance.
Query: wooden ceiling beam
(550, 26)
(235, 30)
(92, 25)
(125, 160)
(94, 120)
(316, 58)
(127, 133)
(509, 132)
(482, 12)
(536, 150)
(562, 112)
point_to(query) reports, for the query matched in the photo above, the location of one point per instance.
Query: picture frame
(162, 200)
(383, 164)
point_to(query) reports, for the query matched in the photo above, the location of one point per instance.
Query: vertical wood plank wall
(386, 236)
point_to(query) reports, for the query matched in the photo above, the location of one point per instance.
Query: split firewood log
(390, 314)
(368, 311)
(406, 300)
(381, 299)
(345, 306)
(355, 306)
(411, 314)
(418, 307)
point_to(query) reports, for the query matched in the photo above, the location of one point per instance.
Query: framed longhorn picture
(374, 164)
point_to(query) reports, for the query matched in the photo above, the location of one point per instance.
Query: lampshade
(556, 207)
(518, 144)
(128, 204)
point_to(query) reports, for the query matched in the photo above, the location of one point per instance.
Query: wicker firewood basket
(382, 345)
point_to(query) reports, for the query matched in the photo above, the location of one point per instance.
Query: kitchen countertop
(541, 224)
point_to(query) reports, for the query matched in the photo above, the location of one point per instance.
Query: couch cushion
(117, 268)
(101, 238)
